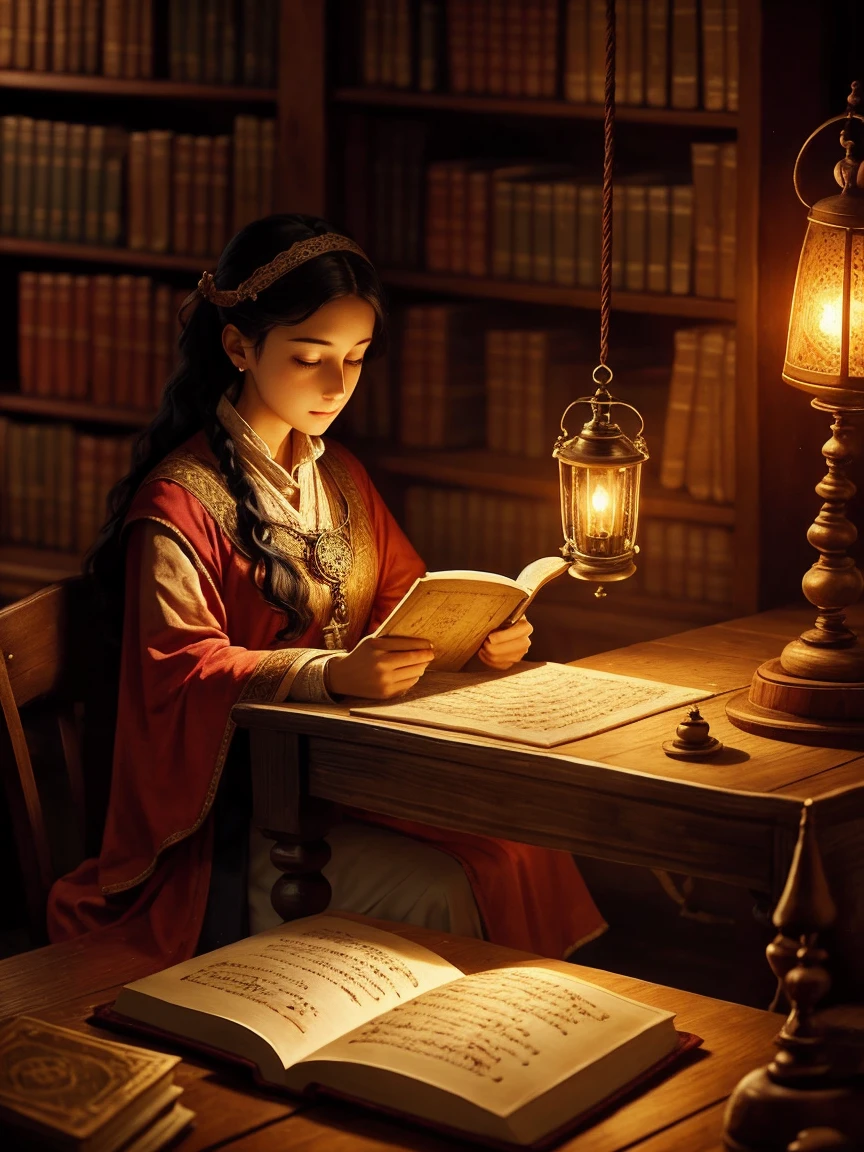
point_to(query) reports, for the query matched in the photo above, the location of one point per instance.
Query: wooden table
(614, 796)
(64, 982)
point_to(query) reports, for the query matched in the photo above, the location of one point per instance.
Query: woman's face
(304, 374)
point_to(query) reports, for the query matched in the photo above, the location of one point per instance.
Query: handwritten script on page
(541, 704)
(499, 1037)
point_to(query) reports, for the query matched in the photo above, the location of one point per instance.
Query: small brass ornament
(692, 740)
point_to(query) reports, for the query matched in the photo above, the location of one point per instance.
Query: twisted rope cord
(608, 159)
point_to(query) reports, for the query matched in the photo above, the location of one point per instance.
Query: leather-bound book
(92, 37)
(659, 220)
(730, 11)
(565, 206)
(76, 151)
(681, 240)
(438, 216)
(145, 40)
(706, 218)
(62, 345)
(41, 46)
(596, 50)
(458, 40)
(33, 482)
(177, 41)
(113, 37)
(142, 342)
(549, 50)
(130, 54)
(220, 168)
(6, 27)
(102, 348)
(202, 160)
(514, 46)
(685, 54)
(22, 44)
(64, 439)
(93, 172)
(657, 53)
(679, 411)
(478, 46)
(576, 52)
(244, 173)
(60, 36)
(159, 190)
(116, 149)
(82, 336)
(41, 167)
(138, 189)
(532, 60)
(727, 230)
(227, 43)
(24, 175)
(13, 487)
(8, 172)
(45, 323)
(266, 166)
(181, 165)
(713, 56)
(75, 35)
(164, 341)
(193, 40)
(47, 509)
(703, 441)
(478, 211)
(495, 51)
(58, 179)
(27, 304)
(635, 93)
(211, 64)
(250, 35)
(120, 390)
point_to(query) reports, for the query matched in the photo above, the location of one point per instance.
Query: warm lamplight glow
(831, 318)
(600, 499)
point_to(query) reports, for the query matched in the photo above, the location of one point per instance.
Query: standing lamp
(599, 468)
(815, 690)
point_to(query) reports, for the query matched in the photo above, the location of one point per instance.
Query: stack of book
(670, 53)
(442, 395)
(72, 181)
(223, 42)
(464, 528)
(107, 339)
(61, 1089)
(686, 561)
(209, 41)
(56, 482)
(699, 439)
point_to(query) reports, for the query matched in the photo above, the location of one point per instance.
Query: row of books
(685, 561)
(156, 191)
(669, 53)
(107, 339)
(208, 41)
(699, 439)
(56, 482)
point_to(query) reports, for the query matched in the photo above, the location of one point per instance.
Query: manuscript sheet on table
(539, 704)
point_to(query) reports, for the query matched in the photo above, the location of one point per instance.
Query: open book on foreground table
(511, 1056)
(539, 704)
(456, 611)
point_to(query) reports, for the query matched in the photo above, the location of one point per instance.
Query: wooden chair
(58, 693)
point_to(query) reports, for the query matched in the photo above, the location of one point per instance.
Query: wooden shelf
(446, 101)
(494, 472)
(99, 254)
(152, 89)
(24, 567)
(694, 307)
(80, 411)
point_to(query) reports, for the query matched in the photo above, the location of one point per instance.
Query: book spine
(388, 35)
(478, 46)
(549, 52)
(93, 183)
(636, 52)
(428, 48)
(6, 33)
(728, 437)
(681, 241)
(541, 236)
(437, 217)
(730, 13)
(514, 46)
(163, 342)
(372, 43)
(564, 208)
(502, 228)
(92, 37)
(113, 38)
(57, 179)
(116, 147)
(33, 483)
(728, 193)
(458, 32)
(679, 409)
(24, 173)
(532, 64)
(59, 36)
(75, 36)
(659, 216)
(129, 53)
(45, 327)
(657, 53)
(496, 369)
(523, 228)
(457, 219)
(77, 147)
(65, 487)
(137, 192)
(496, 60)
(514, 412)
(141, 340)
(635, 236)
(193, 40)
(62, 336)
(401, 44)
(202, 161)
(120, 393)
(158, 191)
(685, 54)
(41, 178)
(145, 40)
(27, 320)
(102, 350)
(176, 41)
(22, 43)
(702, 444)
(228, 43)
(85, 491)
(588, 236)
(533, 438)
(576, 52)
(210, 66)
(596, 50)
(706, 180)
(413, 374)
(713, 56)
(41, 40)
(9, 171)
(81, 337)
(219, 194)
(478, 223)
(622, 50)
(436, 377)
(181, 230)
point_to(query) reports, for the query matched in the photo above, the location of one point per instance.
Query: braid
(283, 586)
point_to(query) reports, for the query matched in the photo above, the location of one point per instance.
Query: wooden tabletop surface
(64, 982)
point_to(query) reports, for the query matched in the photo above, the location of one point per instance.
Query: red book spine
(437, 214)
(44, 334)
(81, 337)
(27, 307)
(458, 218)
(182, 164)
(495, 59)
(514, 47)
(102, 348)
(62, 342)
(163, 340)
(531, 63)
(121, 374)
(142, 341)
(457, 42)
(479, 191)
(549, 50)
(201, 180)
(478, 45)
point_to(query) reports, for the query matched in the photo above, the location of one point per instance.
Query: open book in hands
(456, 611)
(511, 1055)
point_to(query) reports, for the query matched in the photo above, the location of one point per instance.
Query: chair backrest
(58, 697)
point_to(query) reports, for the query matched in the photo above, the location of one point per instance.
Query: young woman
(256, 558)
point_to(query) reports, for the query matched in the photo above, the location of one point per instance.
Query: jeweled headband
(264, 276)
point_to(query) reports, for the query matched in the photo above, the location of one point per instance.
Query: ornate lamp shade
(599, 471)
(825, 348)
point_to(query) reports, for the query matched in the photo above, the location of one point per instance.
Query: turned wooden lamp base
(785, 707)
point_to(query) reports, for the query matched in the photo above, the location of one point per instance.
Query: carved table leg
(284, 812)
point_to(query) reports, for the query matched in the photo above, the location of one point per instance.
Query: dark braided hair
(204, 373)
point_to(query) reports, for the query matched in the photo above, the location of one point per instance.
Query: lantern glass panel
(816, 320)
(599, 508)
(856, 307)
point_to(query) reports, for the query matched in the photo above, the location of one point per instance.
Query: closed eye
(355, 363)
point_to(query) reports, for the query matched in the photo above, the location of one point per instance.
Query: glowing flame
(831, 319)
(600, 499)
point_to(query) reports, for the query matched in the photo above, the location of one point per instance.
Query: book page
(298, 985)
(540, 704)
(455, 612)
(502, 1038)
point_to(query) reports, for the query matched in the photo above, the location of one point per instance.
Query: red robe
(178, 687)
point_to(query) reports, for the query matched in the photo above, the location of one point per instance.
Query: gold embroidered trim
(362, 584)
(207, 485)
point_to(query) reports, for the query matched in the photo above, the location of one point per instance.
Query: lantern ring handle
(809, 141)
(591, 400)
(610, 377)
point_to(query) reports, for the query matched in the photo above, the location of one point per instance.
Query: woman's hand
(505, 646)
(379, 667)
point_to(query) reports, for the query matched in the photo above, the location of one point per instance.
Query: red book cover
(62, 342)
(142, 342)
(43, 368)
(121, 374)
(479, 191)
(201, 180)
(81, 337)
(137, 210)
(182, 221)
(27, 305)
(163, 341)
(457, 218)
(457, 43)
(102, 347)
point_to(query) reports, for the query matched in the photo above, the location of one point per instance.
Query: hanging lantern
(599, 471)
(825, 348)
